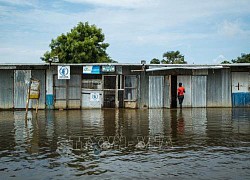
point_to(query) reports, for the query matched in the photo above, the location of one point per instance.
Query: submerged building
(80, 86)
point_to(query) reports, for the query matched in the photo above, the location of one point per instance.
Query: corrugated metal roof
(185, 67)
(236, 64)
(15, 65)
(168, 66)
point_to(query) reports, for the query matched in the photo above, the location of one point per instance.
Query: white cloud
(129, 24)
(115, 3)
(219, 59)
(20, 2)
(230, 29)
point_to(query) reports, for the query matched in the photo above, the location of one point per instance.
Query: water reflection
(181, 123)
(115, 143)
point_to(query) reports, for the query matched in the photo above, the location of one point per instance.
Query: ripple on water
(205, 144)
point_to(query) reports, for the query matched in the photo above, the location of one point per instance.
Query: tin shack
(81, 86)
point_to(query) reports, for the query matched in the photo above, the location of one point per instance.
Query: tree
(155, 61)
(83, 44)
(245, 58)
(173, 57)
(225, 62)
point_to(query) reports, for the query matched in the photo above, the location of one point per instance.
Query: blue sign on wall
(91, 70)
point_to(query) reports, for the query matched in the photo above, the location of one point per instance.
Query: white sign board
(87, 69)
(63, 72)
(94, 97)
(34, 89)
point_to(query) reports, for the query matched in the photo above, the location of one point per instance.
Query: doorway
(173, 91)
(109, 89)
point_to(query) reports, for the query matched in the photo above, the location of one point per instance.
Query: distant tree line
(85, 44)
(175, 57)
(244, 58)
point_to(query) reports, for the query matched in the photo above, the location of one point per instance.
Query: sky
(205, 32)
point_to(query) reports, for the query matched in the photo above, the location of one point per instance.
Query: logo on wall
(94, 97)
(63, 72)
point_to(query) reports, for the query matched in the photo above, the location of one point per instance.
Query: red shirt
(181, 91)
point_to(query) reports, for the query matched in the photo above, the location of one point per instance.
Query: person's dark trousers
(180, 98)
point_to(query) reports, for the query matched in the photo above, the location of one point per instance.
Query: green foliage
(155, 61)
(83, 44)
(173, 57)
(245, 58)
(226, 62)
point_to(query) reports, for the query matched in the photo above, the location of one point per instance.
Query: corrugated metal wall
(74, 91)
(21, 79)
(167, 99)
(186, 81)
(67, 92)
(214, 88)
(195, 91)
(226, 88)
(156, 87)
(60, 92)
(6, 89)
(143, 96)
(199, 86)
(40, 75)
(219, 88)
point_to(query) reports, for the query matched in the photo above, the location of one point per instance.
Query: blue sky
(205, 32)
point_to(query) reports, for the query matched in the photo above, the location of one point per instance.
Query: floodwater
(198, 143)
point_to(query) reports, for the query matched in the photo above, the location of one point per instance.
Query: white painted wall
(240, 82)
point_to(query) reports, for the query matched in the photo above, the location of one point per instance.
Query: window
(109, 82)
(92, 84)
(130, 88)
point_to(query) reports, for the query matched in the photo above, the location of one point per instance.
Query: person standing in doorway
(180, 91)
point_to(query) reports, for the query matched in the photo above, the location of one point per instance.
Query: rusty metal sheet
(40, 75)
(21, 83)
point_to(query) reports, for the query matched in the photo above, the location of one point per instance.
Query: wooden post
(116, 92)
(33, 93)
(37, 100)
(28, 100)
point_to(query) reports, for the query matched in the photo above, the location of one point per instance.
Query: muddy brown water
(197, 143)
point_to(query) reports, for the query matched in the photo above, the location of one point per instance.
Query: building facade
(81, 86)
